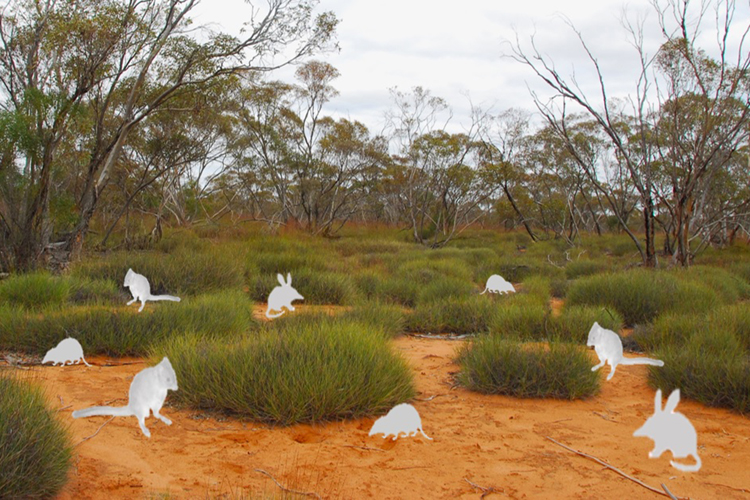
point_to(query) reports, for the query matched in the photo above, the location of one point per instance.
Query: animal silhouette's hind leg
(612, 372)
(142, 423)
(162, 417)
(132, 301)
(143, 304)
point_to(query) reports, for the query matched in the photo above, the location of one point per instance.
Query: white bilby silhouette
(402, 418)
(148, 390)
(68, 350)
(497, 284)
(141, 290)
(671, 430)
(282, 296)
(608, 347)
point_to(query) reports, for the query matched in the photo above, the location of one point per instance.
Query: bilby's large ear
(657, 401)
(672, 401)
(281, 279)
(289, 279)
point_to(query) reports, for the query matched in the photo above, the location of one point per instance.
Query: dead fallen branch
(485, 491)
(669, 493)
(97, 431)
(442, 337)
(289, 490)
(615, 469)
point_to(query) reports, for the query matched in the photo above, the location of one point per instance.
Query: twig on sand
(615, 469)
(97, 431)
(485, 491)
(441, 337)
(289, 490)
(366, 448)
(119, 364)
(666, 490)
(430, 398)
(64, 408)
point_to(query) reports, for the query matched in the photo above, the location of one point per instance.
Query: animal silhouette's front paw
(651, 454)
(609, 377)
(166, 420)
(594, 368)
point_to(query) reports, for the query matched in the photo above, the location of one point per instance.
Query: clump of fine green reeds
(322, 370)
(730, 287)
(34, 291)
(669, 329)
(124, 331)
(459, 315)
(641, 295)
(317, 287)
(391, 318)
(585, 267)
(35, 448)
(711, 368)
(184, 272)
(494, 365)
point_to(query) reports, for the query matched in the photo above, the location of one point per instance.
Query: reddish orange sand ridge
(493, 442)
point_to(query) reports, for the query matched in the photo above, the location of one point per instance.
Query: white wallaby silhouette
(282, 296)
(671, 430)
(148, 390)
(402, 418)
(141, 289)
(497, 284)
(68, 350)
(608, 347)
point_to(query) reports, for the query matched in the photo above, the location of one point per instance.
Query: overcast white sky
(455, 49)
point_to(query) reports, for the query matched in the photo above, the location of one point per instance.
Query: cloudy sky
(455, 49)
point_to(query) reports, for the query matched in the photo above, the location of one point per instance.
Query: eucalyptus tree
(686, 118)
(117, 62)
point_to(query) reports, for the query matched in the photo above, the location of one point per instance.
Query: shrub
(558, 288)
(494, 365)
(321, 371)
(735, 319)
(398, 290)
(34, 291)
(459, 315)
(35, 448)
(324, 287)
(641, 295)
(96, 291)
(711, 368)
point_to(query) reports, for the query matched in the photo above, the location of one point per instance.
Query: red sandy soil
(495, 442)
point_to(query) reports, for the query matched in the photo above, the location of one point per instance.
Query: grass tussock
(321, 371)
(124, 331)
(34, 291)
(641, 295)
(458, 315)
(494, 365)
(35, 448)
(711, 368)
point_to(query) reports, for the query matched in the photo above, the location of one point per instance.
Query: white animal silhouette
(148, 390)
(141, 289)
(671, 430)
(608, 347)
(68, 350)
(402, 418)
(282, 296)
(497, 284)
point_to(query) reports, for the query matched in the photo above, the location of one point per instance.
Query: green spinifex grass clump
(492, 364)
(729, 286)
(124, 331)
(641, 295)
(711, 368)
(34, 291)
(321, 370)
(35, 448)
(182, 272)
(459, 315)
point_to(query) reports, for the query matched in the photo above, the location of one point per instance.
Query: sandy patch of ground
(493, 441)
